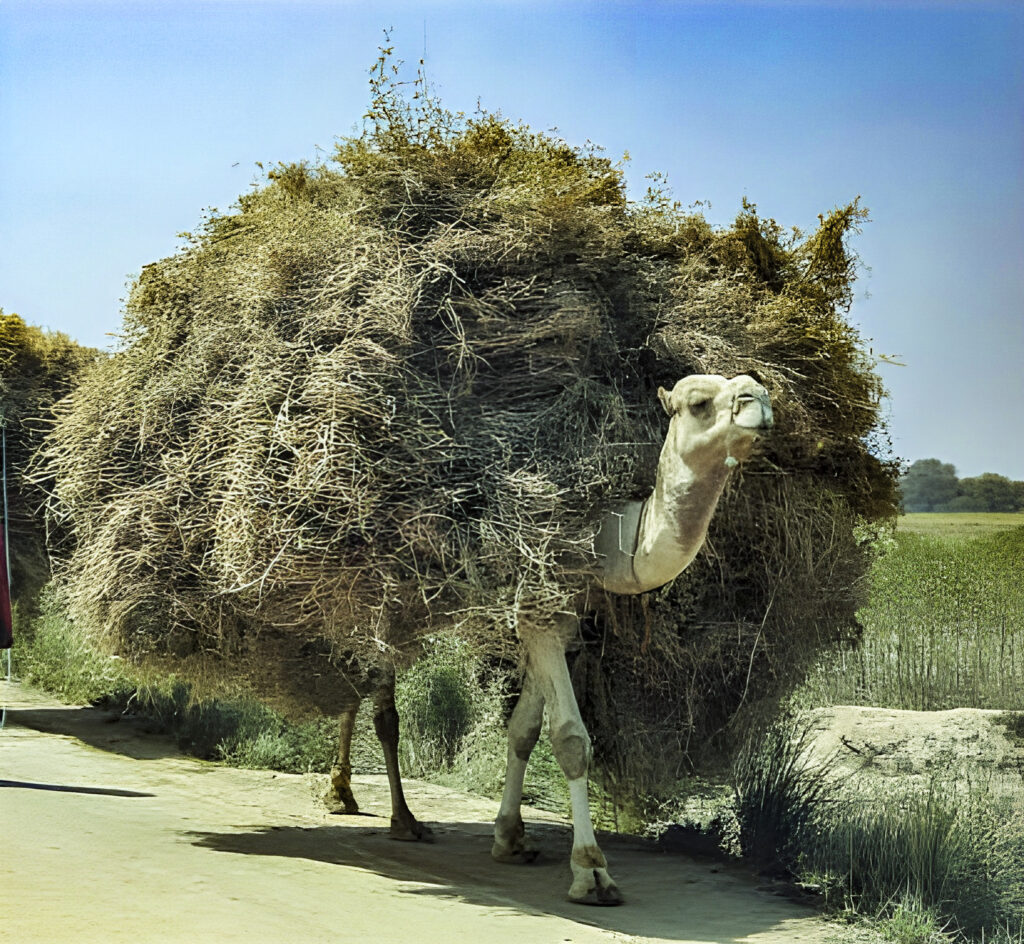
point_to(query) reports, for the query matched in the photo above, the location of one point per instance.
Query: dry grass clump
(392, 395)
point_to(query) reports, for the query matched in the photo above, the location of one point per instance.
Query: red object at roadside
(6, 620)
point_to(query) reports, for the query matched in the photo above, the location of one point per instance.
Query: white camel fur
(641, 545)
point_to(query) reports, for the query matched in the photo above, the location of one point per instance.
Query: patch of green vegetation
(913, 922)
(953, 848)
(436, 706)
(51, 655)
(1013, 722)
(958, 525)
(943, 628)
(239, 731)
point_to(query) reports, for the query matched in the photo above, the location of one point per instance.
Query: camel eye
(700, 407)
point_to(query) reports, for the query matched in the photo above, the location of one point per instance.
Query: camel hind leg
(339, 798)
(385, 721)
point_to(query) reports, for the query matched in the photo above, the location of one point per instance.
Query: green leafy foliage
(987, 493)
(436, 703)
(932, 486)
(927, 485)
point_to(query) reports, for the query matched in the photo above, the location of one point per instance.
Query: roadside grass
(50, 655)
(942, 864)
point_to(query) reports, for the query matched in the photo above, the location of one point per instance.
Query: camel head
(715, 420)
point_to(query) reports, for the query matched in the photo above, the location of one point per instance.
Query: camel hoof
(510, 843)
(339, 809)
(410, 832)
(336, 806)
(522, 856)
(604, 892)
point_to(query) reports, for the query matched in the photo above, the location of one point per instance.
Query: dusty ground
(109, 835)
(911, 747)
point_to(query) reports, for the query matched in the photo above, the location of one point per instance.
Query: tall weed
(954, 848)
(778, 791)
(943, 859)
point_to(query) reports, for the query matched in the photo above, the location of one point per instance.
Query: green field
(962, 525)
(943, 621)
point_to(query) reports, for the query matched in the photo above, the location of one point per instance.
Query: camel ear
(666, 401)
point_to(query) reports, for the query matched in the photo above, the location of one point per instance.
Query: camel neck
(675, 518)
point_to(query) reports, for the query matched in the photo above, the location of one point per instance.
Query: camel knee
(521, 741)
(385, 723)
(571, 745)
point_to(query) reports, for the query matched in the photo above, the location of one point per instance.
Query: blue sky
(121, 121)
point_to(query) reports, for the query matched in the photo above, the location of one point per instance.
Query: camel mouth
(753, 411)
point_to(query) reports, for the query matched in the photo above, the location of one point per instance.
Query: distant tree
(928, 484)
(1018, 491)
(987, 492)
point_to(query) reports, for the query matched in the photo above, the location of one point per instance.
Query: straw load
(37, 368)
(390, 396)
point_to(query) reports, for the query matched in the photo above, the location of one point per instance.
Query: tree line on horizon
(933, 485)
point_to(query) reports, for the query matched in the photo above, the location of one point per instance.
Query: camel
(640, 545)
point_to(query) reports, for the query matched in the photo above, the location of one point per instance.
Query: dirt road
(108, 835)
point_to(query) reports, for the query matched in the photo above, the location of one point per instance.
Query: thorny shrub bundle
(390, 395)
(36, 369)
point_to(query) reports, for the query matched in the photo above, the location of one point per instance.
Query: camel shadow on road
(668, 897)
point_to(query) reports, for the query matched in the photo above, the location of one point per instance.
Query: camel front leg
(510, 843)
(385, 721)
(546, 665)
(339, 798)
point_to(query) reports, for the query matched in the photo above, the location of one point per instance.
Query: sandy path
(108, 835)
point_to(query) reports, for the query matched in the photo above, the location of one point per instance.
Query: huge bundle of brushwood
(391, 395)
(37, 368)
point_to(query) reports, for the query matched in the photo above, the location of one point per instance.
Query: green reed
(943, 628)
